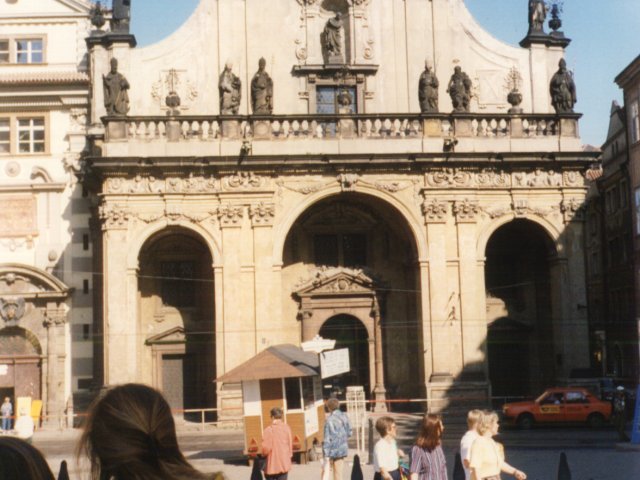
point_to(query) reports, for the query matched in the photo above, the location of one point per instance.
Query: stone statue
(563, 89)
(537, 15)
(460, 90)
(116, 98)
(262, 91)
(229, 86)
(121, 16)
(428, 90)
(332, 40)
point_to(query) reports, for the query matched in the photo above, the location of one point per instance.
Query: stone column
(55, 320)
(379, 392)
(436, 214)
(470, 315)
(120, 330)
(262, 215)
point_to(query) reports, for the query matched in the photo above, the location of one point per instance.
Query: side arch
(282, 228)
(213, 243)
(493, 226)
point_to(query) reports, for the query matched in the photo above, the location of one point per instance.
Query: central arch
(356, 255)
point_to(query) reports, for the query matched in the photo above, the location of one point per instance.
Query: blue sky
(605, 38)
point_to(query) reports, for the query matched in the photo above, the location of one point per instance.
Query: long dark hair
(130, 435)
(430, 435)
(18, 459)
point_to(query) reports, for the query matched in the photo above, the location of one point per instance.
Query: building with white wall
(45, 253)
(444, 249)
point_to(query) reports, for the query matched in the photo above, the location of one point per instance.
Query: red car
(559, 405)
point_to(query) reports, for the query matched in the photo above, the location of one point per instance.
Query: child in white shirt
(473, 417)
(386, 454)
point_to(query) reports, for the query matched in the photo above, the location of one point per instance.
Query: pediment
(339, 280)
(171, 336)
(30, 282)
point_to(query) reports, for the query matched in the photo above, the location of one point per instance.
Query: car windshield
(550, 397)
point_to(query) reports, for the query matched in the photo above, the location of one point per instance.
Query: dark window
(292, 393)
(84, 383)
(86, 331)
(325, 248)
(85, 286)
(347, 250)
(85, 242)
(177, 288)
(354, 250)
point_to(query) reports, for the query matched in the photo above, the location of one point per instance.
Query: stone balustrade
(466, 132)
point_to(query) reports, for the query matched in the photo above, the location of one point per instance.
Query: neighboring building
(45, 254)
(609, 253)
(629, 81)
(445, 250)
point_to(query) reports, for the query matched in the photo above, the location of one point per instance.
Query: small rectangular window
(31, 135)
(4, 51)
(85, 242)
(85, 286)
(635, 122)
(29, 50)
(5, 136)
(292, 393)
(86, 331)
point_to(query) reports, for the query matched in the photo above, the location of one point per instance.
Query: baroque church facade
(381, 172)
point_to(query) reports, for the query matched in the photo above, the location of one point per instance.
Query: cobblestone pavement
(592, 455)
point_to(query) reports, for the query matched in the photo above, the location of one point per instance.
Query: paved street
(592, 454)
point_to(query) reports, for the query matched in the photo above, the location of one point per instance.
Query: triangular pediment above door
(171, 336)
(336, 281)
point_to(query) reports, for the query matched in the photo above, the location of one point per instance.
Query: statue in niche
(116, 97)
(428, 90)
(121, 16)
(229, 86)
(537, 15)
(262, 91)
(563, 89)
(459, 90)
(332, 40)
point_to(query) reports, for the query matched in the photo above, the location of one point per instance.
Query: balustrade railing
(321, 126)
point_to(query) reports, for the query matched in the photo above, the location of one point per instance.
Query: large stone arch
(283, 226)
(490, 228)
(34, 311)
(176, 316)
(520, 268)
(142, 237)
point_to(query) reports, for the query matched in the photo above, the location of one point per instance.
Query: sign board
(311, 423)
(334, 362)
(635, 427)
(4, 369)
(318, 344)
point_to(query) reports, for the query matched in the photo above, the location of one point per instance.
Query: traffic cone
(458, 469)
(564, 473)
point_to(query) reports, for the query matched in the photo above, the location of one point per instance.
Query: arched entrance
(520, 340)
(176, 293)
(349, 332)
(355, 255)
(21, 362)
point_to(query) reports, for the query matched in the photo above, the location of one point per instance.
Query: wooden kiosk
(281, 376)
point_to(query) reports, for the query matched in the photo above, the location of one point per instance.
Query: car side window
(576, 397)
(552, 399)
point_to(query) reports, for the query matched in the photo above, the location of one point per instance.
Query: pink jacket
(277, 446)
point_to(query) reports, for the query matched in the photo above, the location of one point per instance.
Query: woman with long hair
(19, 460)
(130, 435)
(427, 457)
(487, 460)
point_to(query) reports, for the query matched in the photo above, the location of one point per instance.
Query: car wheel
(525, 421)
(595, 420)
